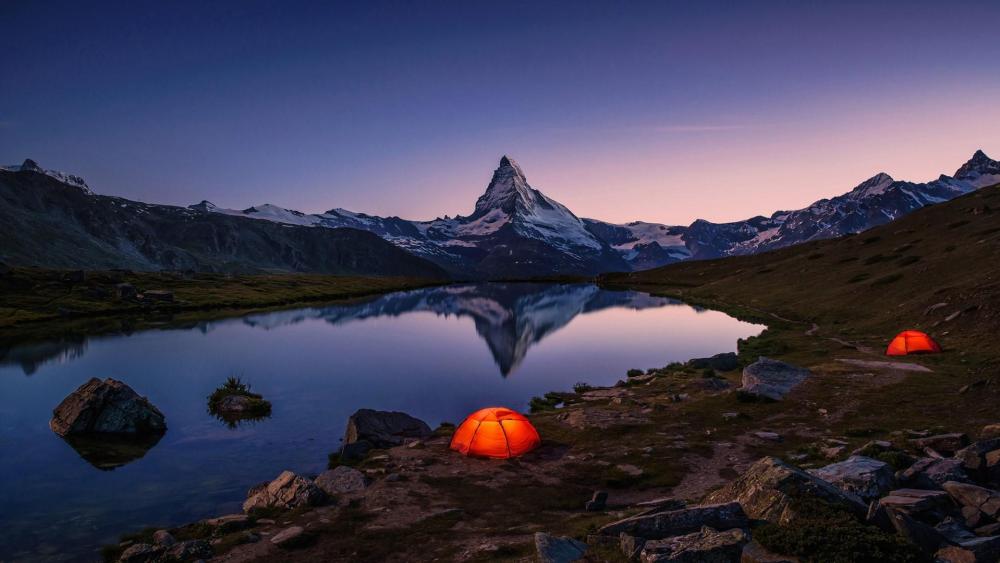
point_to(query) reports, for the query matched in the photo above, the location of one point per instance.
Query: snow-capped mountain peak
(980, 170)
(875, 185)
(508, 190)
(31, 166)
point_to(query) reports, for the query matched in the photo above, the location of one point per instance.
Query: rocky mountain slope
(516, 230)
(52, 220)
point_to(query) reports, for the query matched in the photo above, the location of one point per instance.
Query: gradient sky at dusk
(660, 111)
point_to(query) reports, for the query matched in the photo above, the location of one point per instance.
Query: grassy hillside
(35, 299)
(935, 270)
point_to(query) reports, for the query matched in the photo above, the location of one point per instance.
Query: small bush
(634, 373)
(708, 373)
(581, 387)
(258, 408)
(823, 533)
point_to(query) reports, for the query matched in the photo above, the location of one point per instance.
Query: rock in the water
(704, 546)
(771, 379)
(554, 549)
(341, 479)
(766, 491)
(719, 362)
(664, 524)
(384, 429)
(944, 443)
(985, 500)
(288, 537)
(866, 477)
(107, 406)
(287, 491)
(931, 473)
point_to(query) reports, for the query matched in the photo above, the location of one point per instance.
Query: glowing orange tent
(911, 342)
(495, 432)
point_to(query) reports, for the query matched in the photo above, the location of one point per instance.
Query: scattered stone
(704, 546)
(730, 415)
(866, 477)
(664, 524)
(554, 549)
(289, 536)
(158, 295)
(765, 491)
(931, 473)
(141, 553)
(630, 470)
(833, 452)
(125, 291)
(875, 446)
(384, 429)
(719, 362)
(189, 551)
(597, 502)
(341, 479)
(989, 431)
(163, 538)
(985, 500)
(771, 379)
(914, 501)
(974, 456)
(768, 436)
(230, 523)
(287, 491)
(108, 406)
(946, 443)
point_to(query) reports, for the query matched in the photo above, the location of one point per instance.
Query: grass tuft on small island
(255, 407)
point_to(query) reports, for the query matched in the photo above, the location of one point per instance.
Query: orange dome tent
(495, 432)
(911, 342)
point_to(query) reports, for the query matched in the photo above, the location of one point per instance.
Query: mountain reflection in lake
(417, 351)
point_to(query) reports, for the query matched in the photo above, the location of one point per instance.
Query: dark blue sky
(661, 111)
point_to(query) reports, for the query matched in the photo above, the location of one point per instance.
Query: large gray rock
(984, 500)
(866, 477)
(108, 406)
(704, 546)
(766, 491)
(771, 379)
(384, 429)
(931, 473)
(671, 523)
(554, 549)
(340, 480)
(287, 491)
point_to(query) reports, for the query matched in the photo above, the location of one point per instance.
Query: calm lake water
(437, 354)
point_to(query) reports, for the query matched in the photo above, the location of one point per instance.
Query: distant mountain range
(515, 231)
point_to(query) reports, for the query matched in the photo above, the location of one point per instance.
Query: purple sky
(661, 111)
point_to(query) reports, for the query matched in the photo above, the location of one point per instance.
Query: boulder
(914, 501)
(931, 473)
(771, 379)
(767, 488)
(974, 456)
(631, 546)
(192, 550)
(340, 480)
(866, 477)
(719, 362)
(287, 491)
(704, 546)
(966, 495)
(164, 538)
(109, 407)
(923, 536)
(989, 431)
(384, 429)
(289, 537)
(141, 553)
(665, 524)
(229, 523)
(978, 550)
(954, 531)
(554, 549)
(944, 443)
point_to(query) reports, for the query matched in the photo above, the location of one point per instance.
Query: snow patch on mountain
(31, 166)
